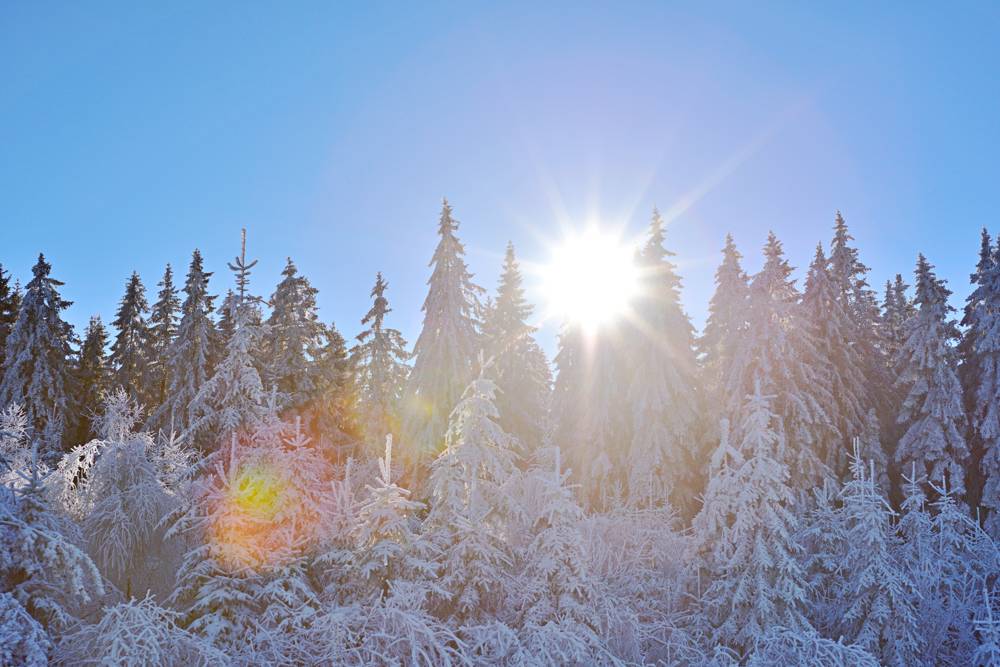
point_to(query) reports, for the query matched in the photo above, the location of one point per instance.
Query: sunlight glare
(591, 279)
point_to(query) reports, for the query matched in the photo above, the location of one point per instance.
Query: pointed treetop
(241, 268)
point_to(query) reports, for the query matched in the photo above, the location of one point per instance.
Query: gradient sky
(131, 133)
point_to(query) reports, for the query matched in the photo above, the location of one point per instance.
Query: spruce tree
(663, 394)
(379, 361)
(330, 415)
(896, 310)
(10, 301)
(757, 581)
(93, 377)
(36, 371)
(983, 386)
(832, 331)
(446, 349)
(517, 363)
(162, 329)
(129, 352)
(779, 352)
(294, 333)
(931, 412)
(232, 401)
(189, 353)
(727, 318)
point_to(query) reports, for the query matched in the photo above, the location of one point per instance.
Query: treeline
(815, 479)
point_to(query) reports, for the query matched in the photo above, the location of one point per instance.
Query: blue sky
(132, 133)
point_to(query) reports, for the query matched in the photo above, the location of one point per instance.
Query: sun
(590, 279)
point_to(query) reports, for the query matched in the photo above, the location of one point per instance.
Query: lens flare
(259, 491)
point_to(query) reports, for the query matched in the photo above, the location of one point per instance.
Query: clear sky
(131, 133)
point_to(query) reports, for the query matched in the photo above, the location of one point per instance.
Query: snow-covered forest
(217, 476)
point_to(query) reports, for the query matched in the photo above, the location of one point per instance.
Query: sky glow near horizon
(134, 134)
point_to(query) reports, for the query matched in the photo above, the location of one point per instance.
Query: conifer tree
(982, 379)
(896, 310)
(663, 394)
(189, 353)
(469, 503)
(832, 332)
(129, 353)
(877, 594)
(36, 371)
(294, 333)
(779, 352)
(162, 329)
(330, 416)
(446, 349)
(10, 301)
(726, 321)
(232, 401)
(931, 412)
(93, 378)
(379, 361)
(518, 365)
(757, 582)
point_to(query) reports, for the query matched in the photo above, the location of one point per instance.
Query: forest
(219, 477)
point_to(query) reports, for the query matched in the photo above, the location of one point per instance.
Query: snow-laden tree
(469, 505)
(833, 333)
(294, 333)
(877, 595)
(41, 564)
(37, 372)
(93, 379)
(518, 365)
(824, 543)
(897, 309)
(988, 627)
(726, 323)
(981, 379)
(137, 632)
(233, 400)
(850, 278)
(663, 458)
(188, 357)
(10, 302)
(330, 416)
(446, 349)
(931, 412)
(23, 640)
(756, 581)
(781, 646)
(379, 360)
(127, 497)
(388, 548)
(162, 329)
(779, 353)
(130, 351)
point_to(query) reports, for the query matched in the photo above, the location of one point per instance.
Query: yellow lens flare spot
(258, 491)
(591, 279)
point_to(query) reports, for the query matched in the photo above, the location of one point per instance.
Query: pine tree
(10, 301)
(446, 349)
(727, 317)
(232, 401)
(518, 365)
(189, 353)
(779, 352)
(469, 503)
(663, 394)
(832, 332)
(379, 360)
(932, 412)
(294, 333)
(129, 352)
(162, 329)
(93, 379)
(984, 410)
(330, 416)
(36, 371)
(757, 582)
